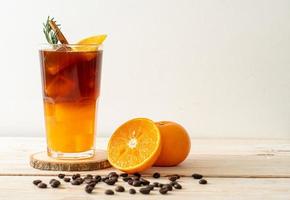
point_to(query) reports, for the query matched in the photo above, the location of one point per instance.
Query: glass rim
(90, 47)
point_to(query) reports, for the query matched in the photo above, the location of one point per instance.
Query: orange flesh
(134, 146)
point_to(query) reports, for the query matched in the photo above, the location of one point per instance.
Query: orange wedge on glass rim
(90, 43)
(135, 145)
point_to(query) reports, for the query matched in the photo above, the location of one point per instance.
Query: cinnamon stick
(58, 33)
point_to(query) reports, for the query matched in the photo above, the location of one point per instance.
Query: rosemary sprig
(50, 35)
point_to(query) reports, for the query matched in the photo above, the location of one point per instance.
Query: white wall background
(219, 67)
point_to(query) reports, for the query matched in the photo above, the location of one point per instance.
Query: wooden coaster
(42, 161)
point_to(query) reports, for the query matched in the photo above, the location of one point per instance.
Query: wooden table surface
(234, 168)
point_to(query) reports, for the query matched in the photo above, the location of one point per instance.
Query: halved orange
(135, 145)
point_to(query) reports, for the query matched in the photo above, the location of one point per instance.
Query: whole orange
(175, 144)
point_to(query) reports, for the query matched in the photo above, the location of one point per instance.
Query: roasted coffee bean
(168, 186)
(135, 178)
(124, 175)
(137, 174)
(132, 191)
(144, 190)
(119, 189)
(36, 182)
(89, 180)
(51, 180)
(114, 178)
(144, 181)
(202, 181)
(76, 182)
(130, 182)
(151, 187)
(126, 179)
(163, 190)
(110, 182)
(55, 184)
(80, 180)
(89, 189)
(61, 176)
(176, 175)
(160, 185)
(197, 176)
(177, 186)
(105, 178)
(93, 184)
(66, 179)
(75, 176)
(156, 175)
(109, 192)
(98, 178)
(42, 185)
(89, 176)
(173, 178)
(113, 174)
(136, 183)
(172, 183)
(156, 184)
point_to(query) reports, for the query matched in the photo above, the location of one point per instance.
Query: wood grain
(213, 158)
(217, 188)
(42, 161)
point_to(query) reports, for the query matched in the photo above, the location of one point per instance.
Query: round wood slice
(42, 161)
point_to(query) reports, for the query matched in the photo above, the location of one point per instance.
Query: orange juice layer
(70, 127)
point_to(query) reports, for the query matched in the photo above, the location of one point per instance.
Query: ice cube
(60, 86)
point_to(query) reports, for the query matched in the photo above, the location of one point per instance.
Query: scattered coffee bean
(55, 184)
(36, 182)
(42, 185)
(92, 184)
(130, 182)
(160, 185)
(168, 186)
(110, 182)
(109, 192)
(124, 175)
(135, 178)
(132, 191)
(144, 181)
(61, 176)
(66, 179)
(136, 183)
(105, 178)
(51, 180)
(151, 187)
(172, 178)
(88, 176)
(144, 190)
(119, 189)
(163, 190)
(126, 179)
(172, 183)
(89, 189)
(156, 184)
(202, 181)
(156, 175)
(75, 176)
(76, 182)
(114, 178)
(177, 186)
(113, 174)
(98, 178)
(137, 174)
(176, 175)
(80, 180)
(197, 176)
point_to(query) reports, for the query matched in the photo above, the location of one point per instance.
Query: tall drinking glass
(71, 86)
